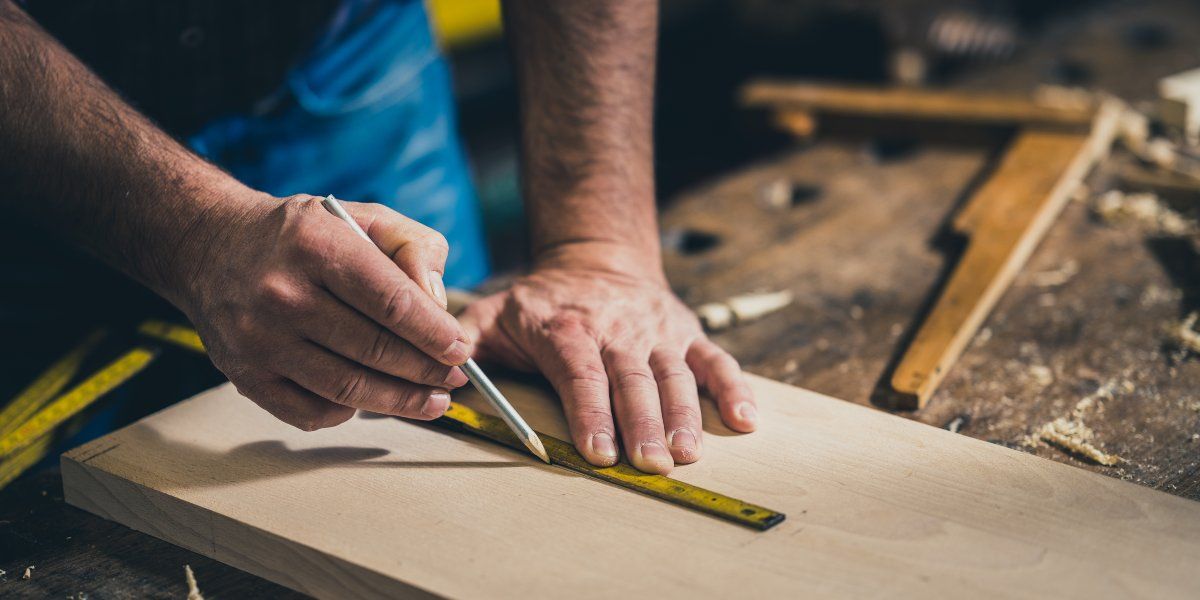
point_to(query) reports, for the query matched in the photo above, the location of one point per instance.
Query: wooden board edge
(200, 531)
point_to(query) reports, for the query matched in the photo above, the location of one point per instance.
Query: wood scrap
(1144, 209)
(1004, 221)
(741, 309)
(1179, 103)
(1135, 177)
(910, 103)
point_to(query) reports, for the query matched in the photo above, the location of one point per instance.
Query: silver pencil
(481, 382)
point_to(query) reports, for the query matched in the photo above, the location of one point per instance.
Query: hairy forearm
(78, 160)
(585, 73)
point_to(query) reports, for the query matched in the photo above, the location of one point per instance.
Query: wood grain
(877, 505)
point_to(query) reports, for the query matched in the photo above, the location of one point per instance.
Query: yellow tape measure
(462, 418)
(179, 335)
(78, 398)
(457, 418)
(44, 388)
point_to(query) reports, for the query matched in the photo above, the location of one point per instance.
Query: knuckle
(682, 413)
(379, 350)
(350, 389)
(434, 240)
(636, 379)
(405, 403)
(591, 411)
(279, 292)
(674, 373)
(579, 372)
(646, 423)
(432, 373)
(397, 305)
(564, 325)
(244, 325)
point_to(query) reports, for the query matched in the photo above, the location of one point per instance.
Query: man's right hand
(311, 322)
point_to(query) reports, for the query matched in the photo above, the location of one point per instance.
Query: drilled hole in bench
(690, 241)
(886, 150)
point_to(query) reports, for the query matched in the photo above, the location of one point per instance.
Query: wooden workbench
(863, 250)
(859, 256)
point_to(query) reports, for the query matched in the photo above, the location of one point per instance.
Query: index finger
(358, 273)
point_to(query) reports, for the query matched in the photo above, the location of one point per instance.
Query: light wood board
(877, 506)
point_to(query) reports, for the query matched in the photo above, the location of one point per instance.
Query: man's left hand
(613, 340)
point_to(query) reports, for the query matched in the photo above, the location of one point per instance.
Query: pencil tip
(535, 445)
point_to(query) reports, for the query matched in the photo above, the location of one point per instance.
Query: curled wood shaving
(1072, 435)
(193, 589)
(1055, 277)
(1185, 336)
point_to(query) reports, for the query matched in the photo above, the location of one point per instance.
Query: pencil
(480, 380)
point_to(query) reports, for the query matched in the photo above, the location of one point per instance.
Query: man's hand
(312, 322)
(614, 342)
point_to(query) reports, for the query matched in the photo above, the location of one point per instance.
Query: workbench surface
(860, 253)
(863, 249)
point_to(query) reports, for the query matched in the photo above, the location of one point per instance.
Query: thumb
(481, 321)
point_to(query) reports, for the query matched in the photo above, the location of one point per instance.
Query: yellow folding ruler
(457, 418)
(28, 422)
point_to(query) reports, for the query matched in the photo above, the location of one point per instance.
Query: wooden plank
(912, 103)
(877, 505)
(1004, 221)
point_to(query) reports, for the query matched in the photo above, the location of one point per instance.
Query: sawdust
(193, 589)
(1145, 210)
(1185, 336)
(1072, 435)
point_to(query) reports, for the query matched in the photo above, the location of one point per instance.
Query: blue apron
(367, 116)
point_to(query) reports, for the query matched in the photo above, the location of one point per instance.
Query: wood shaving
(1041, 374)
(740, 309)
(1144, 209)
(1072, 435)
(28, 572)
(1055, 277)
(193, 589)
(1184, 334)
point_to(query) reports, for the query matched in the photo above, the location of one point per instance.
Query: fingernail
(457, 353)
(684, 441)
(603, 444)
(438, 288)
(456, 378)
(748, 413)
(436, 404)
(656, 455)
